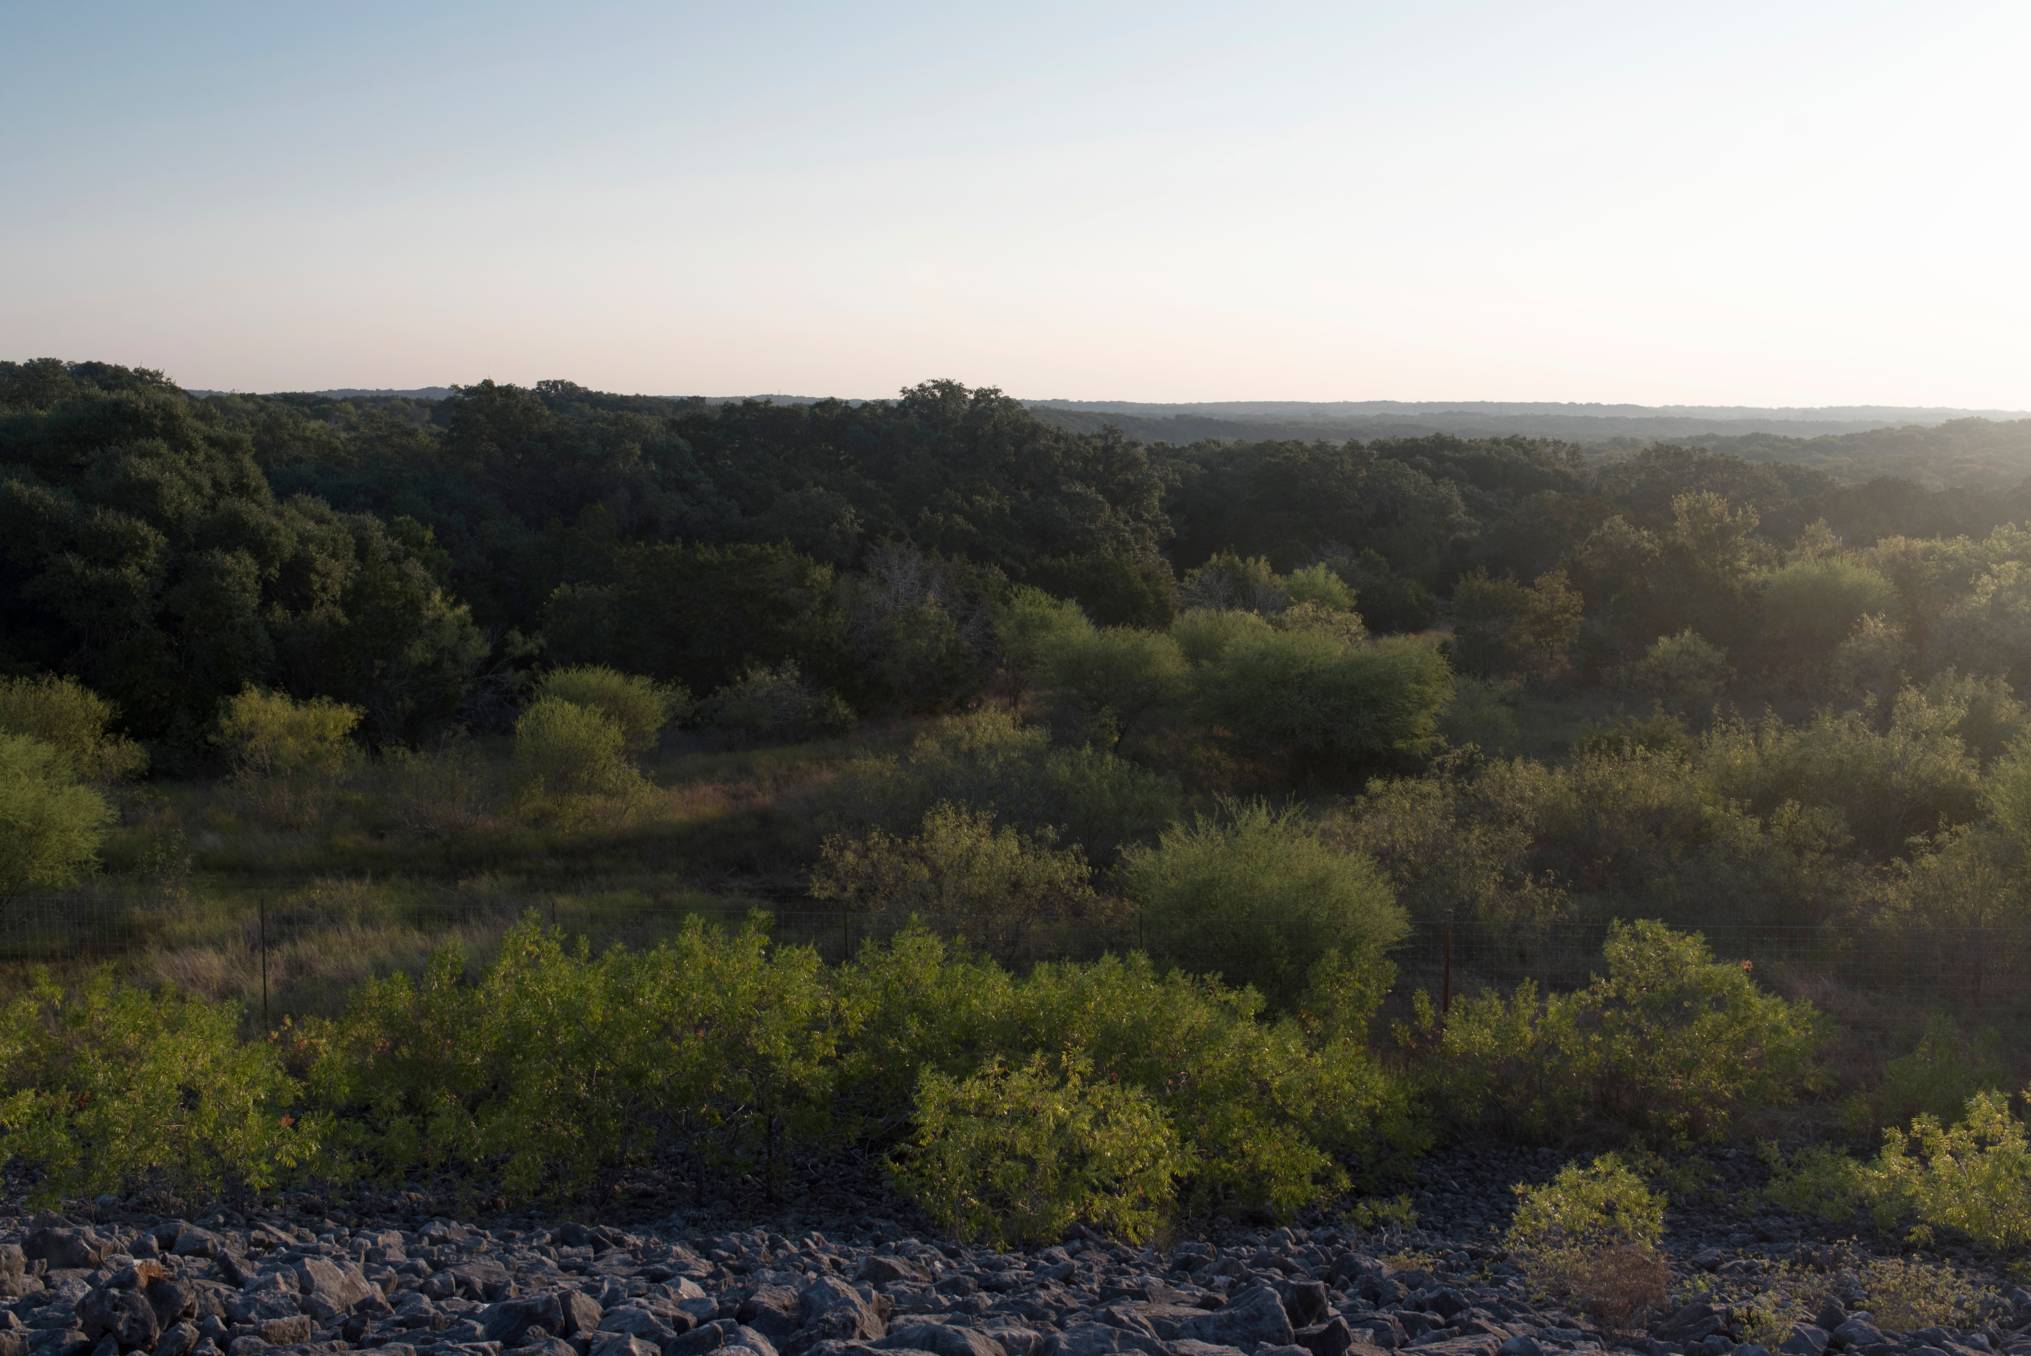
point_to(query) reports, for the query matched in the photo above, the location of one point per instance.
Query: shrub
(1017, 1156)
(1258, 896)
(1888, 785)
(111, 1088)
(1904, 1294)
(776, 705)
(1947, 1067)
(962, 875)
(50, 825)
(990, 761)
(1204, 634)
(72, 719)
(1271, 1115)
(288, 754)
(1327, 705)
(1320, 587)
(639, 706)
(565, 752)
(1972, 1177)
(1685, 673)
(1116, 677)
(556, 1071)
(269, 735)
(1237, 583)
(1590, 1235)
(1669, 1046)
(1029, 627)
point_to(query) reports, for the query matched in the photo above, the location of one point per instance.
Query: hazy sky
(1778, 202)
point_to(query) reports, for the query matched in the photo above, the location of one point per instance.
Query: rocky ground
(122, 1281)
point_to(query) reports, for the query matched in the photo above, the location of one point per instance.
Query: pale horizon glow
(1794, 202)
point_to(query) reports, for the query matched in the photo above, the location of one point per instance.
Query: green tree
(1117, 677)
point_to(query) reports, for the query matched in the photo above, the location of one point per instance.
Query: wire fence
(295, 946)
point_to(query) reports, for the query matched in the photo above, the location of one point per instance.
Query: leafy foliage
(1666, 1047)
(110, 1088)
(1017, 1156)
(50, 825)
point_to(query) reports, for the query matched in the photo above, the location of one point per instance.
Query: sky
(1784, 202)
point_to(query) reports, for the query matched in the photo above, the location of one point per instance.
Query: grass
(332, 884)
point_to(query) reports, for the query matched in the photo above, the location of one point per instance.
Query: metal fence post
(262, 905)
(1446, 968)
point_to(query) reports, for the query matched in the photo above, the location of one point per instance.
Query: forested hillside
(1385, 784)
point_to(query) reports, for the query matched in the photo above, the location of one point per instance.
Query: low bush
(110, 1087)
(51, 826)
(639, 706)
(1590, 1236)
(1258, 896)
(990, 761)
(1016, 1156)
(992, 886)
(286, 754)
(775, 705)
(1668, 1046)
(566, 753)
(1971, 1177)
(74, 720)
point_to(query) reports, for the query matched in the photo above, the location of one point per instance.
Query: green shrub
(639, 706)
(565, 753)
(1811, 606)
(1029, 627)
(1204, 634)
(556, 1071)
(776, 705)
(1670, 1045)
(1888, 785)
(50, 825)
(111, 1088)
(1326, 705)
(1017, 1156)
(1320, 587)
(1685, 673)
(286, 754)
(1273, 1115)
(1590, 1235)
(1115, 678)
(270, 735)
(990, 761)
(1972, 1177)
(1947, 1067)
(960, 873)
(1904, 1294)
(1819, 1180)
(71, 718)
(1258, 896)
(1231, 582)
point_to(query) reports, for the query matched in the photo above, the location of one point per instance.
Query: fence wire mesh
(284, 945)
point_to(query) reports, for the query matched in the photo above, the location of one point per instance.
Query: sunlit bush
(107, 1088)
(1669, 1045)
(1016, 1156)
